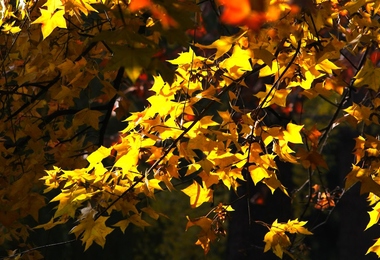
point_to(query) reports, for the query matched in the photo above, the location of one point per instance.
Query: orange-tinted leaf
(207, 235)
(203, 222)
(375, 248)
(311, 159)
(313, 136)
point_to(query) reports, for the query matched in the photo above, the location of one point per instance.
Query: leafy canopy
(62, 88)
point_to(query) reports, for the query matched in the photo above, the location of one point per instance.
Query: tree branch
(39, 94)
(111, 103)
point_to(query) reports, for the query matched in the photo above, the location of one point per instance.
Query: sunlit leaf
(50, 21)
(292, 133)
(198, 194)
(222, 45)
(273, 96)
(368, 76)
(92, 231)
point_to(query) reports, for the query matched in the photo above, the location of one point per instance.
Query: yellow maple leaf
(95, 160)
(368, 76)
(326, 66)
(198, 194)
(160, 105)
(203, 222)
(282, 149)
(92, 230)
(209, 178)
(297, 227)
(53, 5)
(122, 224)
(237, 64)
(161, 174)
(187, 58)
(292, 133)
(206, 235)
(158, 85)
(258, 173)
(273, 97)
(375, 248)
(359, 112)
(151, 212)
(88, 117)
(277, 240)
(136, 220)
(222, 45)
(273, 183)
(365, 177)
(374, 216)
(9, 28)
(64, 206)
(266, 56)
(50, 20)
(52, 223)
(52, 179)
(372, 199)
(311, 159)
(77, 6)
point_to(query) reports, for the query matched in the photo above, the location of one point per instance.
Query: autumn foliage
(70, 67)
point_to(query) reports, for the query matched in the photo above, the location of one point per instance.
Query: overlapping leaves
(195, 126)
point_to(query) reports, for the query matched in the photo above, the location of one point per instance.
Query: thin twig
(39, 94)
(37, 248)
(323, 140)
(275, 84)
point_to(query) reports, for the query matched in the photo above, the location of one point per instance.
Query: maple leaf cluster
(62, 89)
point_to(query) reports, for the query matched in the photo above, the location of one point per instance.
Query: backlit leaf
(50, 21)
(364, 176)
(277, 239)
(368, 76)
(198, 194)
(257, 173)
(374, 216)
(275, 96)
(292, 133)
(92, 231)
(222, 45)
(375, 248)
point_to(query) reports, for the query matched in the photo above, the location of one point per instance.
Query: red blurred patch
(138, 4)
(240, 13)
(375, 57)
